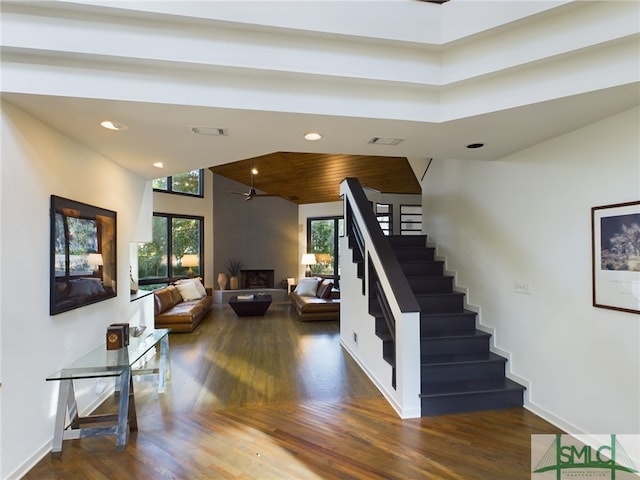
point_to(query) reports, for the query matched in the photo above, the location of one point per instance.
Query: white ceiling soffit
(554, 69)
(394, 20)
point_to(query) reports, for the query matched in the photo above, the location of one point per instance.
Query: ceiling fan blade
(252, 191)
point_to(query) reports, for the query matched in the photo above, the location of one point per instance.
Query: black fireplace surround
(256, 279)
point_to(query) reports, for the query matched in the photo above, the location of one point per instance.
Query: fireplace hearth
(256, 278)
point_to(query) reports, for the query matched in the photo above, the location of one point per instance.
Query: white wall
(182, 204)
(527, 217)
(37, 161)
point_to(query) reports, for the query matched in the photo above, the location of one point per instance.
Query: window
(385, 218)
(410, 219)
(187, 183)
(174, 236)
(322, 240)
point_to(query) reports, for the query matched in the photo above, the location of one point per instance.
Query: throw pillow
(321, 288)
(324, 290)
(197, 282)
(188, 291)
(307, 287)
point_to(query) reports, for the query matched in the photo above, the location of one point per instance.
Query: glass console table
(108, 363)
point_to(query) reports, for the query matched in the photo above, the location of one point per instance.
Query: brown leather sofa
(323, 305)
(171, 311)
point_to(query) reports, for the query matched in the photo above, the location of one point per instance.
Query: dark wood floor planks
(275, 398)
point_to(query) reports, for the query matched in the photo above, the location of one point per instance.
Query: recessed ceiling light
(312, 136)
(114, 125)
(475, 145)
(158, 165)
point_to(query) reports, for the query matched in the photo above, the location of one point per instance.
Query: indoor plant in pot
(233, 267)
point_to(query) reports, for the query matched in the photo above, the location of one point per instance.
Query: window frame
(336, 239)
(403, 222)
(170, 278)
(170, 190)
(389, 215)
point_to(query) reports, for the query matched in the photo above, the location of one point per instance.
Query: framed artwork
(615, 236)
(83, 255)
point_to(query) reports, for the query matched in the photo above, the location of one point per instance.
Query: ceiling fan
(252, 191)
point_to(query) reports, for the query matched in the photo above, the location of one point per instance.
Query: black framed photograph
(83, 254)
(615, 235)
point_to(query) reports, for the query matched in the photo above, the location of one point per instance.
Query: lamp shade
(95, 259)
(190, 260)
(308, 259)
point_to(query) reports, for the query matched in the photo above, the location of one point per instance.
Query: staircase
(458, 371)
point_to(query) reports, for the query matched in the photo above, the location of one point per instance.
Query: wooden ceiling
(314, 178)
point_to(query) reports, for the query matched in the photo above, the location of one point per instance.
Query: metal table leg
(165, 364)
(131, 414)
(123, 411)
(66, 400)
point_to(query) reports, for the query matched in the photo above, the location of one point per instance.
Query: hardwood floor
(275, 398)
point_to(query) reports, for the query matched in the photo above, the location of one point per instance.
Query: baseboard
(402, 413)
(568, 428)
(45, 449)
(552, 419)
(31, 462)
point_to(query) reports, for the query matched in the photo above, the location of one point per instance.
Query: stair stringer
(493, 347)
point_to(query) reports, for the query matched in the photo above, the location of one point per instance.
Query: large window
(322, 240)
(175, 252)
(187, 183)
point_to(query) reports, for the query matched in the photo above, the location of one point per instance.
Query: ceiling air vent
(215, 131)
(386, 140)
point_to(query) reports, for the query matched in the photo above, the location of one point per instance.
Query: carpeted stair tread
(455, 334)
(469, 387)
(455, 359)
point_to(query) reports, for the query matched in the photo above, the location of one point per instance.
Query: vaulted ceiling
(315, 177)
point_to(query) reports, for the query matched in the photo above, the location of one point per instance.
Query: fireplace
(256, 278)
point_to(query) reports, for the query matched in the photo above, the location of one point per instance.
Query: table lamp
(308, 259)
(190, 260)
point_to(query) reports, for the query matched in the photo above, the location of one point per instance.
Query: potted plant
(233, 267)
